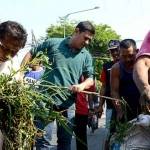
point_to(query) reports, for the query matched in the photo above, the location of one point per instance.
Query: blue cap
(113, 44)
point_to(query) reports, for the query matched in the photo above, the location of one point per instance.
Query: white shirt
(10, 65)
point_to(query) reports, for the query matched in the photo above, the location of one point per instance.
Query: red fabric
(82, 102)
(103, 76)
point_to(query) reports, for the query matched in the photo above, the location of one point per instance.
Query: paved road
(95, 140)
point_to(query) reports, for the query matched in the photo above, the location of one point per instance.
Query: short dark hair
(14, 30)
(86, 26)
(126, 43)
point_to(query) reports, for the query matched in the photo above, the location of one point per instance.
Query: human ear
(137, 50)
(77, 30)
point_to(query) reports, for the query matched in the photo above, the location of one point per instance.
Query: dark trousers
(81, 131)
(64, 136)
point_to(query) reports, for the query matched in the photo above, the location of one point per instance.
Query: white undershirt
(9, 65)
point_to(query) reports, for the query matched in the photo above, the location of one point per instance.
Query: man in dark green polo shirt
(70, 60)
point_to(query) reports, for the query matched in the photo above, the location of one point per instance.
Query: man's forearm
(102, 101)
(87, 83)
(140, 75)
(102, 93)
(116, 96)
(26, 59)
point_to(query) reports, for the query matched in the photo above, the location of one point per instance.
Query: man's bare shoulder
(115, 66)
(115, 69)
(144, 60)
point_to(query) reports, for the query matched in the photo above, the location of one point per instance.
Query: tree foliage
(104, 33)
(58, 30)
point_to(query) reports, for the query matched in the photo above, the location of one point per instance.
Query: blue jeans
(108, 120)
(43, 143)
(64, 137)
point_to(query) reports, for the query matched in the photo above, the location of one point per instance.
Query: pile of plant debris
(19, 104)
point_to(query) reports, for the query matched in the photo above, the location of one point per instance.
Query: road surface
(95, 140)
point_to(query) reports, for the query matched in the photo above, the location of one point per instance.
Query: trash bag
(138, 139)
(93, 121)
(138, 135)
(93, 115)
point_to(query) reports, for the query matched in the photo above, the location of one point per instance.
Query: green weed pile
(21, 103)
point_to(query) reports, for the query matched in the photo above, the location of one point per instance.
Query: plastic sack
(138, 136)
(138, 139)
